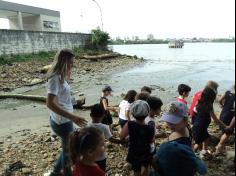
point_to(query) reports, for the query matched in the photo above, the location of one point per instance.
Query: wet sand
(17, 115)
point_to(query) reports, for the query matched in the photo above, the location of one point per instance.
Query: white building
(23, 17)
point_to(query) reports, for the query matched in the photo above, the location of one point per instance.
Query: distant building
(23, 17)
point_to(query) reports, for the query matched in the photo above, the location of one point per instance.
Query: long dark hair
(130, 96)
(207, 100)
(82, 141)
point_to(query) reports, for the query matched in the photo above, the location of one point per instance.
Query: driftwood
(36, 98)
(35, 82)
(24, 97)
(100, 57)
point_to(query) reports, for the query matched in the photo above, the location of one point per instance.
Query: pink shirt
(196, 98)
(181, 100)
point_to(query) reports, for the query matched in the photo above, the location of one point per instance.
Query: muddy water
(164, 70)
(195, 64)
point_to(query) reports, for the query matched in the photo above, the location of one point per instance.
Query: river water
(164, 70)
(195, 64)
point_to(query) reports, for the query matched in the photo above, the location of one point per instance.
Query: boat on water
(176, 44)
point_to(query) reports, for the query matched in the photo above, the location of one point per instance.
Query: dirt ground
(36, 153)
(25, 133)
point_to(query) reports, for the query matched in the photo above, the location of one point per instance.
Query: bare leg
(224, 139)
(205, 144)
(222, 142)
(110, 127)
(145, 171)
(137, 174)
(197, 147)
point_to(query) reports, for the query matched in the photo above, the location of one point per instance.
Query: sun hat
(175, 112)
(140, 108)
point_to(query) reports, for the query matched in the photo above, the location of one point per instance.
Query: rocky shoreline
(27, 74)
(36, 153)
(26, 151)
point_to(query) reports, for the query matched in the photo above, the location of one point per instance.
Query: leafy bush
(100, 39)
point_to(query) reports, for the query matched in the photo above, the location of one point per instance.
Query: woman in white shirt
(124, 113)
(61, 108)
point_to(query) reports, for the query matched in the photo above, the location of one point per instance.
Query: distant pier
(176, 44)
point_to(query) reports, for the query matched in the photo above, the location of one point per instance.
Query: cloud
(163, 18)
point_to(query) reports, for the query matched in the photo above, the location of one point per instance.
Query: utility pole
(100, 12)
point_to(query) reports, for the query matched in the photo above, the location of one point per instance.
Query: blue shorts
(122, 122)
(200, 135)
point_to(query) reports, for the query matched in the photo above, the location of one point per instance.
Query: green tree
(100, 39)
(150, 37)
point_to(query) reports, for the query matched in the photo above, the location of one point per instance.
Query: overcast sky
(163, 18)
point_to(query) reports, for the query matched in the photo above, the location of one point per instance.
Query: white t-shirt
(124, 106)
(107, 133)
(62, 91)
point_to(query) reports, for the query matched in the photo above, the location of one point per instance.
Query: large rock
(26, 171)
(230, 155)
(45, 69)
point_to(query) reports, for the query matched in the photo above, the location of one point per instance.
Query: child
(210, 84)
(146, 89)
(97, 114)
(142, 96)
(175, 159)
(155, 110)
(155, 105)
(85, 146)
(228, 113)
(107, 120)
(176, 117)
(184, 91)
(140, 138)
(204, 112)
(124, 113)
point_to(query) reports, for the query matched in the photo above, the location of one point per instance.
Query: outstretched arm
(222, 100)
(216, 120)
(127, 114)
(106, 107)
(53, 105)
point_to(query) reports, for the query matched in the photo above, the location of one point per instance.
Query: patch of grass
(15, 58)
(81, 52)
(44, 56)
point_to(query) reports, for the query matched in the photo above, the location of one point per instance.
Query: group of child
(139, 128)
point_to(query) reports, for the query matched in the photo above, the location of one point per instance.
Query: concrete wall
(32, 23)
(17, 42)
